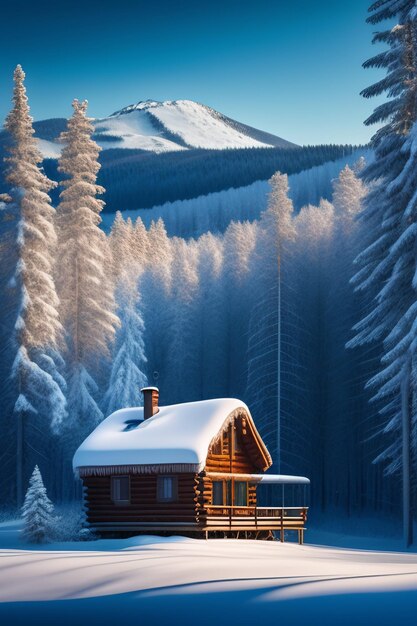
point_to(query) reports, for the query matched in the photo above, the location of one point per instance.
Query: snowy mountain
(171, 126)
(158, 152)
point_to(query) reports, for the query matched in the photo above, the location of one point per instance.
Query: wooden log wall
(144, 505)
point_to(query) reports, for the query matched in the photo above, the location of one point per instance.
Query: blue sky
(291, 68)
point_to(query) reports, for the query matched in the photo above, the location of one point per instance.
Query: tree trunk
(406, 464)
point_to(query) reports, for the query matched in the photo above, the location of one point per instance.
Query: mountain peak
(139, 106)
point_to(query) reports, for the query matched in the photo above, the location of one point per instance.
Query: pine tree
(37, 511)
(84, 287)
(269, 314)
(239, 244)
(383, 275)
(155, 286)
(211, 311)
(38, 383)
(127, 376)
(183, 372)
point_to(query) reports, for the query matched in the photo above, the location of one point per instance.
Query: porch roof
(270, 479)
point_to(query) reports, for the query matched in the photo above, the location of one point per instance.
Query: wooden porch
(251, 519)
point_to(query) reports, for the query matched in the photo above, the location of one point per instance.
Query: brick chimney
(150, 401)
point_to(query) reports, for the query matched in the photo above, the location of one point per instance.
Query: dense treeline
(143, 180)
(214, 212)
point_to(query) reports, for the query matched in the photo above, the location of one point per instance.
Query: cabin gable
(237, 448)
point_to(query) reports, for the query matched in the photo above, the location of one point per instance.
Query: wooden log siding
(143, 506)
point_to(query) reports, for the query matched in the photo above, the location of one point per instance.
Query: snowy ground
(151, 580)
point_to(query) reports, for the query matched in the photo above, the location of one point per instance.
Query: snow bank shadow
(193, 606)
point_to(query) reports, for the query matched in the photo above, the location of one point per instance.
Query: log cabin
(191, 469)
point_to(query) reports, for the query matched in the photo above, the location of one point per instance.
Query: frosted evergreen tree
(155, 286)
(122, 244)
(84, 285)
(140, 244)
(39, 384)
(213, 330)
(273, 249)
(349, 191)
(38, 511)
(183, 372)
(127, 374)
(238, 249)
(383, 277)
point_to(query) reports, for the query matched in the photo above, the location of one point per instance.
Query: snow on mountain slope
(198, 127)
(134, 128)
(167, 127)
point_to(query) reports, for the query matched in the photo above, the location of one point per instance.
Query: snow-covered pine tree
(384, 275)
(212, 342)
(39, 385)
(346, 413)
(84, 274)
(275, 234)
(127, 374)
(184, 360)
(238, 249)
(140, 244)
(38, 511)
(155, 286)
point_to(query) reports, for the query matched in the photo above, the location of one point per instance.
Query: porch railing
(255, 517)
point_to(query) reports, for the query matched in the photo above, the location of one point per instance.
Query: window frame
(221, 483)
(227, 492)
(159, 488)
(119, 502)
(241, 482)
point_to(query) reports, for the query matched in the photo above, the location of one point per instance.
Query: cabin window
(222, 493)
(241, 494)
(167, 488)
(120, 489)
(217, 498)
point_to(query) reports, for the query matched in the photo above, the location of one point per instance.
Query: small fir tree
(37, 511)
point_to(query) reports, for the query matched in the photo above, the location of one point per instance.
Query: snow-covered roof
(178, 435)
